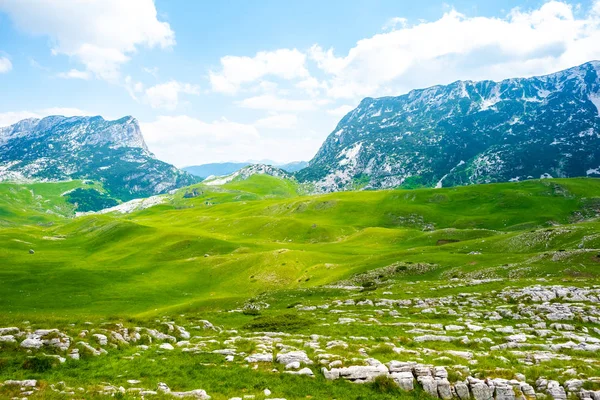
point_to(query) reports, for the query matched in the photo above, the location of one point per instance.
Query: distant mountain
(112, 152)
(246, 172)
(293, 166)
(465, 133)
(226, 168)
(215, 169)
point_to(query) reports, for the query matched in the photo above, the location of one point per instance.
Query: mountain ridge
(466, 132)
(58, 148)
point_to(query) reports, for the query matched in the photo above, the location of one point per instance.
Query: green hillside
(256, 235)
(223, 253)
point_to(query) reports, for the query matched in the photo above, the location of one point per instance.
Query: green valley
(258, 255)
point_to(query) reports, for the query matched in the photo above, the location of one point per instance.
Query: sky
(235, 80)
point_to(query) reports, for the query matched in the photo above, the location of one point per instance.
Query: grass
(262, 241)
(185, 252)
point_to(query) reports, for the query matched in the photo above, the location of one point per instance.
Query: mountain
(293, 166)
(62, 148)
(247, 172)
(226, 168)
(215, 169)
(465, 133)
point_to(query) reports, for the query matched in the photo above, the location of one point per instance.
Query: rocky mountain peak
(89, 147)
(467, 132)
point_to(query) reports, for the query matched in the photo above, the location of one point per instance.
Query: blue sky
(237, 80)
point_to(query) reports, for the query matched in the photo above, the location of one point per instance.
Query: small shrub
(381, 350)
(38, 364)
(401, 268)
(278, 323)
(385, 384)
(245, 346)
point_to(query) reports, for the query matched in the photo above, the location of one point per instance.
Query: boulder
(481, 391)
(9, 331)
(196, 394)
(8, 339)
(24, 383)
(405, 380)
(462, 391)
(293, 365)
(260, 357)
(32, 343)
(102, 339)
(363, 373)
(429, 385)
(505, 393)
(293, 356)
(443, 388)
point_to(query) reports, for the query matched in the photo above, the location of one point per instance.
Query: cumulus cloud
(340, 111)
(236, 71)
(274, 103)
(456, 46)
(166, 95)
(100, 34)
(184, 140)
(11, 117)
(278, 121)
(74, 74)
(5, 65)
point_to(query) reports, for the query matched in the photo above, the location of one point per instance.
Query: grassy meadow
(262, 240)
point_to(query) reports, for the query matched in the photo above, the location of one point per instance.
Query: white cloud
(340, 111)
(5, 65)
(523, 43)
(133, 88)
(74, 74)
(101, 34)
(393, 23)
(166, 95)
(312, 86)
(278, 121)
(183, 140)
(273, 103)
(236, 71)
(11, 117)
(152, 71)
